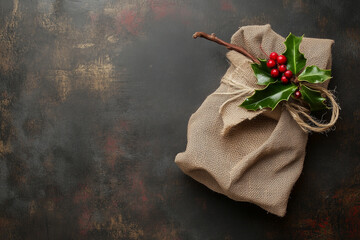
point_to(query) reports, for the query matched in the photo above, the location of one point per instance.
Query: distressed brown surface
(94, 101)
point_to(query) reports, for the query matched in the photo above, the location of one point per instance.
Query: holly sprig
(283, 77)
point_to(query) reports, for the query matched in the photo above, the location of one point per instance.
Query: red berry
(297, 94)
(284, 80)
(282, 68)
(281, 59)
(274, 73)
(273, 55)
(288, 74)
(271, 63)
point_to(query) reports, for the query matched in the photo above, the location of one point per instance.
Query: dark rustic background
(95, 96)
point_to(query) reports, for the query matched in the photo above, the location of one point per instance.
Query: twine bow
(302, 115)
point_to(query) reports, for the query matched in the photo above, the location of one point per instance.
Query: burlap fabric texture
(251, 156)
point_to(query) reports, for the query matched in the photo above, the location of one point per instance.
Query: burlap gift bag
(252, 156)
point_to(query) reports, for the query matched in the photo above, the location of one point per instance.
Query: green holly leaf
(295, 59)
(313, 98)
(269, 96)
(262, 73)
(313, 74)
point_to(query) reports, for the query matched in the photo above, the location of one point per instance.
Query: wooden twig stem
(229, 46)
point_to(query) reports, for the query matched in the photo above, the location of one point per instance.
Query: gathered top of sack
(240, 76)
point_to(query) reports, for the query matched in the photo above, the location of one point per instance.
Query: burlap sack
(252, 156)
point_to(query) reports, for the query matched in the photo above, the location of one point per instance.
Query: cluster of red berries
(277, 65)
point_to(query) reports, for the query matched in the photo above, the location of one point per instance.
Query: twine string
(300, 113)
